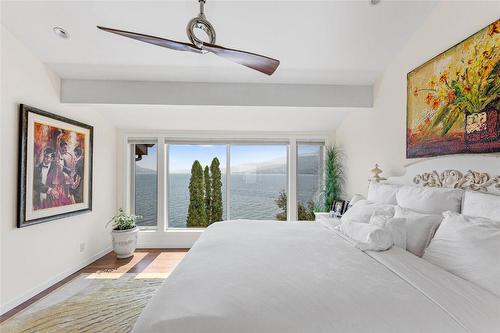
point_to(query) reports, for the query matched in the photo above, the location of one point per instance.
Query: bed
(264, 276)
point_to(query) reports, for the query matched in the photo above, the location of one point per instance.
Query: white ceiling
(322, 42)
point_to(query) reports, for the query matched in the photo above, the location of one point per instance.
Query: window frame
(167, 161)
(322, 164)
(132, 166)
(162, 235)
(287, 167)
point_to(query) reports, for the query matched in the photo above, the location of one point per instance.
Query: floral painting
(56, 167)
(453, 99)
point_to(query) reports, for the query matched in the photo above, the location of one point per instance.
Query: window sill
(176, 230)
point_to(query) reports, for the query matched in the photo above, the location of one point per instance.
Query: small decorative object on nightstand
(338, 208)
(376, 174)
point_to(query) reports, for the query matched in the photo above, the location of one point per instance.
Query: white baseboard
(47, 284)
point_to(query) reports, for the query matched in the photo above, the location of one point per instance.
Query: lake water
(252, 196)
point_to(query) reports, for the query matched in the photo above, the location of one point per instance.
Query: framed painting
(453, 99)
(55, 167)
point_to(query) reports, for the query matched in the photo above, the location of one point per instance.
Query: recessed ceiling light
(61, 32)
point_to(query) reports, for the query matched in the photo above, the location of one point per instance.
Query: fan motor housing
(201, 23)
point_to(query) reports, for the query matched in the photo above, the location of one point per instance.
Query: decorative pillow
(481, 205)
(468, 247)
(367, 236)
(382, 193)
(394, 225)
(362, 211)
(429, 200)
(419, 229)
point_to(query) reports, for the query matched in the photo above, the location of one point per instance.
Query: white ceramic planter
(124, 242)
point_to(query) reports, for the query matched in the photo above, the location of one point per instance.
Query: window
(309, 178)
(181, 158)
(145, 184)
(179, 184)
(259, 176)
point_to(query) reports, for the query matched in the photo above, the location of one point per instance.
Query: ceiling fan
(255, 61)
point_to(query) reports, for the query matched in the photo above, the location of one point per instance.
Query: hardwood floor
(143, 261)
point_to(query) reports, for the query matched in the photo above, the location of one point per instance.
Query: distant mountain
(308, 164)
(144, 171)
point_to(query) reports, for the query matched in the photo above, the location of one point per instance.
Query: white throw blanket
(270, 277)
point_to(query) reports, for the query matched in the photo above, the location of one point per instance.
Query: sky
(182, 156)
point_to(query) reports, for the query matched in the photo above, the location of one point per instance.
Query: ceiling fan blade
(170, 44)
(258, 62)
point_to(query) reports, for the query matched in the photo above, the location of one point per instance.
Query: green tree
(281, 202)
(197, 216)
(208, 193)
(334, 178)
(304, 213)
(216, 204)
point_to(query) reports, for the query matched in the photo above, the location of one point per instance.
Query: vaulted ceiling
(321, 42)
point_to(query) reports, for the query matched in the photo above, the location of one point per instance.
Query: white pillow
(429, 200)
(481, 205)
(362, 211)
(367, 236)
(468, 247)
(395, 226)
(419, 229)
(382, 193)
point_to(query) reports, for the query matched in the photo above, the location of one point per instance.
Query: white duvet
(251, 276)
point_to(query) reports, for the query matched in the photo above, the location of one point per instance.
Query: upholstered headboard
(469, 172)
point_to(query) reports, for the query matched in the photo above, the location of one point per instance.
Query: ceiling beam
(220, 94)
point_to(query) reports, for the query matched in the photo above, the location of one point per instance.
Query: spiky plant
(334, 175)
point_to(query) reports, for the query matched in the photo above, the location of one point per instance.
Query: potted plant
(124, 233)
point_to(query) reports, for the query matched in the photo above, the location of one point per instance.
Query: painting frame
(24, 166)
(465, 149)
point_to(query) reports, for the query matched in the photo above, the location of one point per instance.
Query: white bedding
(251, 276)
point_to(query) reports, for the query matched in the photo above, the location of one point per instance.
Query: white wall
(378, 136)
(35, 257)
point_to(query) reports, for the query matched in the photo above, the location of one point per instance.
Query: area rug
(99, 302)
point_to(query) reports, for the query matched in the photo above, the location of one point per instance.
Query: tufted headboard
(468, 172)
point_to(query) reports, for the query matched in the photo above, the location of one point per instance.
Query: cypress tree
(197, 216)
(208, 193)
(216, 209)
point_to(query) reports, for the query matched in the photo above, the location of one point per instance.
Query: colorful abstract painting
(55, 167)
(453, 99)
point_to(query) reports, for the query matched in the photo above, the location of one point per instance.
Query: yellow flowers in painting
(453, 99)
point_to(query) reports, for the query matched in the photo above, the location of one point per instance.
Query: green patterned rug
(101, 302)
